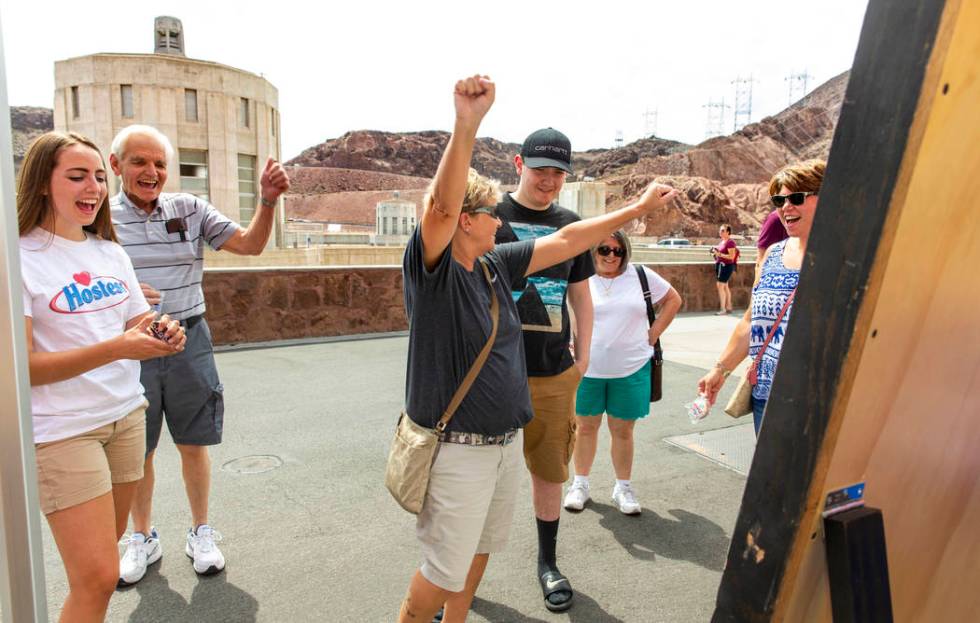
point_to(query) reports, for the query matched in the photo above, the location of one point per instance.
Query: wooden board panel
(911, 426)
(872, 159)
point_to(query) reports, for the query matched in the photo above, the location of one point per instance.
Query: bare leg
(196, 464)
(122, 501)
(721, 295)
(143, 502)
(458, 605)
(586, 439)
(422, 601)
(547, 498)
(728, 297)
(85, 535)
(622, 446)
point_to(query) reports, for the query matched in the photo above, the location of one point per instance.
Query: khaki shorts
(468, 508)
(550, 436)
(81, 468)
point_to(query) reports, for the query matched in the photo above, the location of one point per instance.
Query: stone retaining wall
(261, 305)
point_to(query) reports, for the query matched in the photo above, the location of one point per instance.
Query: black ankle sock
(547, 542)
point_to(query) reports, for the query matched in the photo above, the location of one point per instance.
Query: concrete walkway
(317, 538)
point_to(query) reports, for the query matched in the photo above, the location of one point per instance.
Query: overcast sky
(590, 69)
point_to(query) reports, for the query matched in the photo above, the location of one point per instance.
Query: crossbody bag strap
(753, 375)
(651, 315)
(480, 359)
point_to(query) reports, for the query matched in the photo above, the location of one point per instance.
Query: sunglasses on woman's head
(796, 199)
(604, 251)
(491, 210)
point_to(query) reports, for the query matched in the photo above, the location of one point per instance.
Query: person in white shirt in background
(88, 325)
(617, 381)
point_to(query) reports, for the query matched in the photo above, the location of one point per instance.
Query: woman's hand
(473, 97)
(711, 383)
(138, 342)
(657, 196)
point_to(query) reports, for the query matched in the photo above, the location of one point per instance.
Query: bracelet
(724, 372)
(267, 203)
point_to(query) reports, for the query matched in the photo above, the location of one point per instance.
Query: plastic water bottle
(698, 409)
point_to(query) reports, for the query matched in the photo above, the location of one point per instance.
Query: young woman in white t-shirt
(617, 381)
(88, 325)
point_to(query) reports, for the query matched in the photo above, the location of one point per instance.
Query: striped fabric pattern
(169, 262)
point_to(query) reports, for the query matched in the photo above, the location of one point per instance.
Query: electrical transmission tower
(797, 85)
(716, 118)
(650, 122)
(743, 101)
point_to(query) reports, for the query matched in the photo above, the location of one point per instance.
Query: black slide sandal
(554, 583)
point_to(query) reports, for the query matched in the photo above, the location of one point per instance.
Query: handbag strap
(753, 376)
(480, 359)
(658, 351)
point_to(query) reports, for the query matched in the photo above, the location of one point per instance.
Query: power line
(716, 118)
(650, 127)
(797, 85)
(743, 102)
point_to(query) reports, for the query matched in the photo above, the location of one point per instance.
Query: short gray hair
(119, 143)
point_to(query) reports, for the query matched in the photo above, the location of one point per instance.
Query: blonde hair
(33, 208)
(480, 191)
(803, 176)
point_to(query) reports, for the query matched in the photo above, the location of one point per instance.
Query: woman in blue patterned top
(793, 191)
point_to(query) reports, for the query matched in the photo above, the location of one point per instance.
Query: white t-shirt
(620, 331)
(78, 294)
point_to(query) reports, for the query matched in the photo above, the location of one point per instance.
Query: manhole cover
(255, 464)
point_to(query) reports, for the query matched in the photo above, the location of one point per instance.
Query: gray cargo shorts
(184, 388)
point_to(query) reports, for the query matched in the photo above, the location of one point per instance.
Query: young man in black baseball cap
(553, 371)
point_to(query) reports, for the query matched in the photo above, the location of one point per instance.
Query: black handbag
(657, 361)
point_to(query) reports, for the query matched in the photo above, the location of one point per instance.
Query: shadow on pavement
(584, 610)
(688, 537)
(214, 599)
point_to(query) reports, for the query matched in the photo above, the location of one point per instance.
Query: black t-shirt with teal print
(541, 297)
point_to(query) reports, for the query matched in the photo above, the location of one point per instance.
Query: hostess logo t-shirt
(79, 294)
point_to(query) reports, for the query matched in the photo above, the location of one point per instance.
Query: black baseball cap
(547, 148)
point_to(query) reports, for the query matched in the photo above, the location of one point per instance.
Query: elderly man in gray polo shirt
(164, 234)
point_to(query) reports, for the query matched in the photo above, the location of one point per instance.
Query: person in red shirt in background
(772, 232)
(724, 253)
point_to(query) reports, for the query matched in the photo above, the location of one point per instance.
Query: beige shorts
(550, 436)
(81, 468)
(468, 508)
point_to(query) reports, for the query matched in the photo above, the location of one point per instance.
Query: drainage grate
(731, 447)
(254, 464)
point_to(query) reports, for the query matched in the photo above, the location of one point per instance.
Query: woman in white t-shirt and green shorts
(88, 326)
(617, 381)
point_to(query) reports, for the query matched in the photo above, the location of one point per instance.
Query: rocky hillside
(26, 124)
(722, 179)
(415, 154)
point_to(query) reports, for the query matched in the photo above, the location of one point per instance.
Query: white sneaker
(202, 550)
(141, 552)
(625, 499)
(577, 496)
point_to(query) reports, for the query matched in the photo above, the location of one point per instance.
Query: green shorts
(626, 398)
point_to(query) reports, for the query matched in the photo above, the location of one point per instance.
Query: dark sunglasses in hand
(604, 251)
(796, 199)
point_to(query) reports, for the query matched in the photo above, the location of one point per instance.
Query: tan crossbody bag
(414, 447)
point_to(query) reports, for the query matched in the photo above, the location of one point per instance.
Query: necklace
(606, 289)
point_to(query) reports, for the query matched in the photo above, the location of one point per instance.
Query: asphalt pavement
(311, 534)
